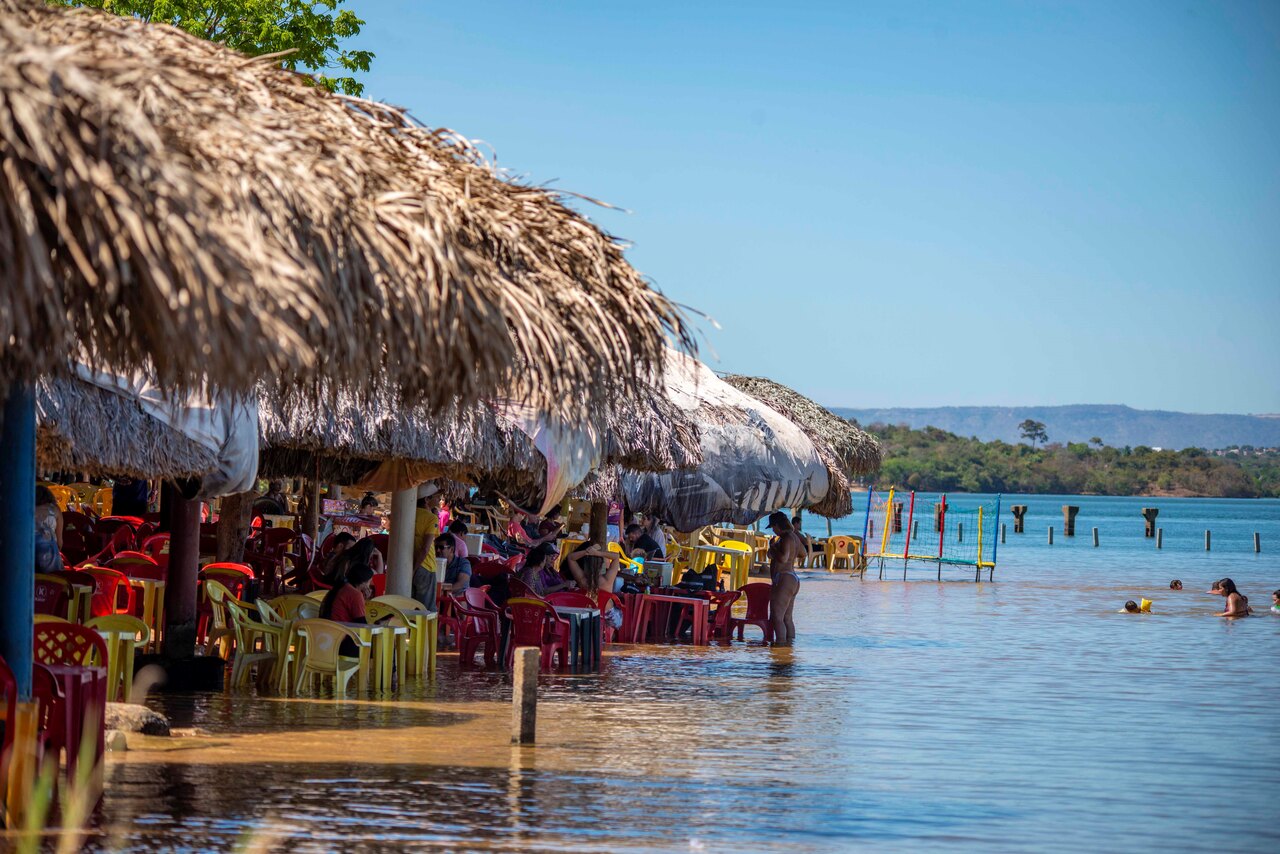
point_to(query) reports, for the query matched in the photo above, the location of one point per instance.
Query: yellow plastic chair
(844, 552)
(317, 595)
(567, 545)
(629, 564)
(221, 631)
(404, 603)
(62, 495)
(294, 606)
(739, 565)
(125, 635)
(102, 502)
(84, 495)
(405, 653)
(50, 618)
(320, 642)
(249, 634)
(285, 651)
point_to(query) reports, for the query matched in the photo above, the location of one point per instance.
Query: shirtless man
(783, 552)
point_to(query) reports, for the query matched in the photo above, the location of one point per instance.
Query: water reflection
(1024, 713)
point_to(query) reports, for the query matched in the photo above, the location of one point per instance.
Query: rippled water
(1024, 713)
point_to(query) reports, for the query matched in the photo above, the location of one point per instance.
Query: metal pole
(1003, 532)
(1159, 538)
(911, 512)
(1257, 542)
(1050, 535)
(404, 508)
(1095, 538)
(1206, 540)
(18, 532)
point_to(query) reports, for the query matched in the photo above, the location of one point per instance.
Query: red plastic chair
(521, 590)
(77, 656)
(78, 537)
(137, 565)
(757, 593)
(53, 594)
(9, 705)
(382, 542)
(610, 631)
(534, 623)
(156, 547)
(479, 625)
(53, 723)
(146, 531)
(208, 538)
(570, 599)
(379, 584)
(120, 539)
(109, 587)
(485, 568)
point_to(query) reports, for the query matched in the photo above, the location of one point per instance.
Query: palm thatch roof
(845, 450)
(171, 205)
(84, 428)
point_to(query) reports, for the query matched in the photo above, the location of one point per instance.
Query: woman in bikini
(786, 548)
(595, 568)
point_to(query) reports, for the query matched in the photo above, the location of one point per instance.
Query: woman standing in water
(786, 548)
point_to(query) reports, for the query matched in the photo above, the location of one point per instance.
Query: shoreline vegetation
(933, 460)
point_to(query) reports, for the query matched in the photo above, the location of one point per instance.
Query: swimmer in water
(1237, 602)
(1275, 602)
(1175, 585)
(1131, 607)
(1215, 588)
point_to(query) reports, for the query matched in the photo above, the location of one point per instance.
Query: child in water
(1275, 602)
(1175, 585)
(1132, 607)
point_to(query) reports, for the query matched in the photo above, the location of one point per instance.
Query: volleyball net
(907, 527)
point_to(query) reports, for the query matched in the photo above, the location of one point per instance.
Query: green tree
(1033, 431)
(311, 29)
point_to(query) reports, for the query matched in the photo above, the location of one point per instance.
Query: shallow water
(1024, 713)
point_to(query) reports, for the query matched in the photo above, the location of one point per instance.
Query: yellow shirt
(426, 526)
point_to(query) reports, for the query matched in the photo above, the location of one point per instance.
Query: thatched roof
(845, 450)
(169, 204)
(84, 428)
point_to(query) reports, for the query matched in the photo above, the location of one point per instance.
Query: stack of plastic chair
(256, 643)
(321, 645)
(534, 623)
(156, 547)
(53, 594)
(110, 586)
(285, 656)
(220, 631)
(385, 612)
(757, 593)
(77, 657)
(293, 606)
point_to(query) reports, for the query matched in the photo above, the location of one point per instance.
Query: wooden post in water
(1159, 538)
(1069, 512)
(1003, 531)
(915, 530)
(1050, 535)
(1019, 516)
(1257, 542)
(1095, 538)
(1206, 540)
(524, 695)
(960, 532)
(1150, 514)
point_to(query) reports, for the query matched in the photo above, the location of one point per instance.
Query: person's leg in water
(781, 598)
(791, 606)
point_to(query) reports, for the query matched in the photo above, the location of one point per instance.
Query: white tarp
(571, 452)
(750, 468)
(226, 425)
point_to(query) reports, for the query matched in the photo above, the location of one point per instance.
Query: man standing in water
(786, 548)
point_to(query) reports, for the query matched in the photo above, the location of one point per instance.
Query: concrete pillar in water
(1069, 512)
(1206, 541)
(960, 532)
(915, 529)
(1019, 516)
(524, 695)
(1257, 542)
(1050, 535)
(1095, 538)
(1159, 538)
(1150, 514)
(897, 517)
(1003, 531)
(404, 508)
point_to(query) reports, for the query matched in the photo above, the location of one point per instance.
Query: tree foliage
(935, 460)
(311, 29)
(1033, 431)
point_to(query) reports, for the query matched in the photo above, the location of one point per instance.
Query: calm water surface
(1024, 713)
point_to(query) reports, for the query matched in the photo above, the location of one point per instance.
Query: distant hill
(1118, 426)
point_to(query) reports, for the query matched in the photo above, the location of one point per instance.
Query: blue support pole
(18, 531)
(995, 526)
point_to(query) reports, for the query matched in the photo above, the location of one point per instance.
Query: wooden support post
(1019, 517)
(524, 695)
(311, 516)
(1159, 538)
(1069, 512)
(1150, 514)
(1003, 531)
(1257, 542)
(234, 525)
(960, 532)
(915, 529)
(1206, 540)
(184, 570)
(1050, 535)
(599, 531)
(1095, 538)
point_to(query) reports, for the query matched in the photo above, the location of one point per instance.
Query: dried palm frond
(84, 428)
(171, 205)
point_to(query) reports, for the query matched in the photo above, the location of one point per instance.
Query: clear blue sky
(904, 204)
